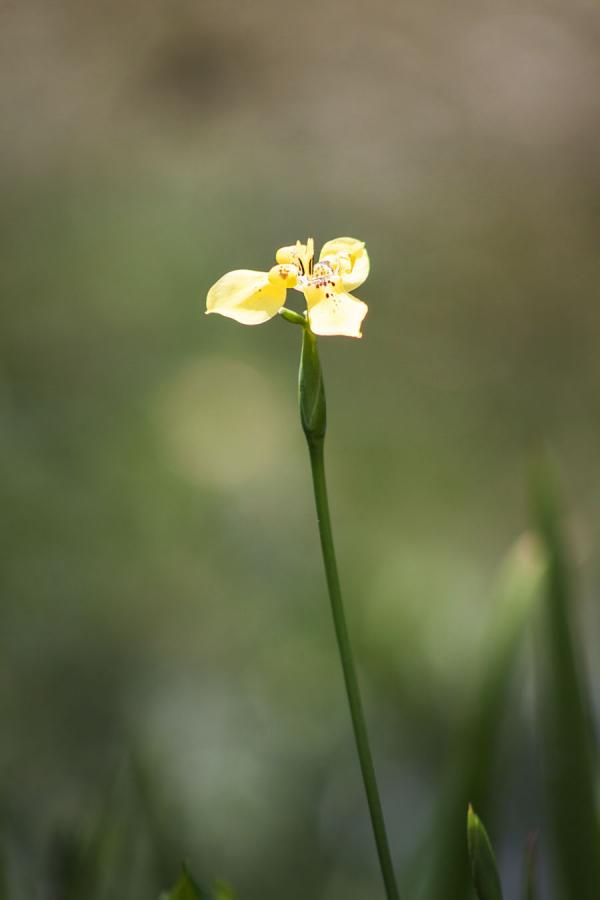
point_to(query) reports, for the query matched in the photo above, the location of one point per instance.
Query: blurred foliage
(185, 889)
(568, 744)
(471, 766)
(529, 886)
(168, 681)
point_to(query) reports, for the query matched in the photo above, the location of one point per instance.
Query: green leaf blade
(483, 863)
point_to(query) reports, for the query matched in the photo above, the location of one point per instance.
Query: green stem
(316, 447)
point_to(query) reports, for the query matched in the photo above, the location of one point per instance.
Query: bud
(311, 391)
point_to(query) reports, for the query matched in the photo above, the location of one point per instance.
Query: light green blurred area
(162, 595)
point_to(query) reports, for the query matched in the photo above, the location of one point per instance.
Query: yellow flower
(254, 297)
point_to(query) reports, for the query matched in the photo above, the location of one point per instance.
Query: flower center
(296, 267)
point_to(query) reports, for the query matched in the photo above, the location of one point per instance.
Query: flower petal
(334, 313)
(352, 257)
(246, 296)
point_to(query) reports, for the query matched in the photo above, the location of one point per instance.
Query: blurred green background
(167, 658)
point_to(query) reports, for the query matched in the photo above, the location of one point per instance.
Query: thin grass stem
(316, 449)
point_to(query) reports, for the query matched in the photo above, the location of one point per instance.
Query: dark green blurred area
(163, 604)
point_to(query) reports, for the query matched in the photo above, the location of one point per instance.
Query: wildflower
(253, 297)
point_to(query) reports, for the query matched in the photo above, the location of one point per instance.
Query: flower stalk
(313, 417)
(253, 297)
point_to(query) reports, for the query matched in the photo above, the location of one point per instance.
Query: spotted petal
(246, 296)
(352, 258)
(335, 313)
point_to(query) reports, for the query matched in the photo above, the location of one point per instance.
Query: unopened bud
(311, 391)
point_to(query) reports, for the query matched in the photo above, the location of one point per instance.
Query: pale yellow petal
(341, 245)
(283, 275)
(359, 272)
(352, 257)
(246, 296)
(333, 313)
(286, 255)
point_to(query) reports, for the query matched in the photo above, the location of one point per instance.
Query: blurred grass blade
(484, 871)
(185, 889)
(529, 861)
(3, 875)
(90, 864)
(155, 817)
(516, 592)
(86, 863)
(568, 747)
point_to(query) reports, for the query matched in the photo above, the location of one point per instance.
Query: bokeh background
(166, 653)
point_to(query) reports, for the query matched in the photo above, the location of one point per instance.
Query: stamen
(310, 253)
